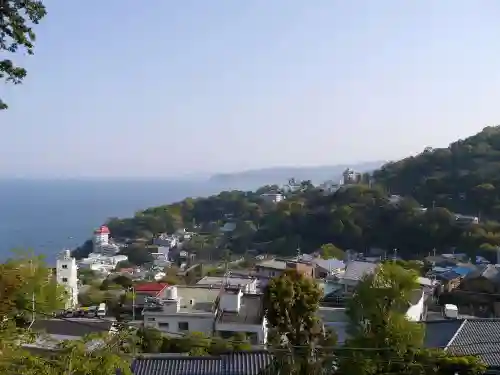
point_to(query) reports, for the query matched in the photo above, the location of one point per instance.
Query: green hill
(464, 177)
(356, 217)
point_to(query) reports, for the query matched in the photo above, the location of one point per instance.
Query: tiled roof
(478, 337)
(151, 287)
(329, 264)
(438, 333)
(247, 363)
(71, 327)
(356, 270)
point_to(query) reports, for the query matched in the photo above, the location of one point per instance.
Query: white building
(101, 263)
(166, 240)
(102, 243)
(273, 197)
(212, 311)
(67, 275)
(247, 284)
(101, 237)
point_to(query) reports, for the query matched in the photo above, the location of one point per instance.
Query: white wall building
(212, 311)
(67, 275)
(101, 236)
(247, 284)
(273, 197)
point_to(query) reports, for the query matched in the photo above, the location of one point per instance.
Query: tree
(93, 354)
(377, 320)
(16, 20)
(150, 340)
(329, 251)
(27, 279)
(290, 304)
(123, 281)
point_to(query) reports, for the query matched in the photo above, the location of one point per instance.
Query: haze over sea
(47, 216)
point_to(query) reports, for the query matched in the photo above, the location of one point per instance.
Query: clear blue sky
(164, 87)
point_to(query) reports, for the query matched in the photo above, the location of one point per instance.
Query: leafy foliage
(377, 321)
(462, 177)
(16, 33)
(153, 341)
(357, 218)
(23, 278)
(290, 304)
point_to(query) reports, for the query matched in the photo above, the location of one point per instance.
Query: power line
(336, 347)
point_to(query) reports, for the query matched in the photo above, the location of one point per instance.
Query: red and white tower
(101, 237)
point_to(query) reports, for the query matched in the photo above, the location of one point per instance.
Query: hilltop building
(351, 177)
(67, 275)
(102, 243)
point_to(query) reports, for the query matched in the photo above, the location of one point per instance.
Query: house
(248, 284)
(354, 272)
(149, 290)
(184, 309)
(270, 268)
(166, 240)
(328, 267)
(54, 331)
(478, 337)
(239, 312)
(275, 267)
(481, 287)
(466, 220)
(248, 363)
(441, 261)
(449, 279)
(212, 311)
(272, 197)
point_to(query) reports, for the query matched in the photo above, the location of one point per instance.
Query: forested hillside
(464, 177)
(356, 217)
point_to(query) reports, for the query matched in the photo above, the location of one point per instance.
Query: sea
(47, 216)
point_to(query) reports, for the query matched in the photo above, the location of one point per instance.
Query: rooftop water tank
(172, 293)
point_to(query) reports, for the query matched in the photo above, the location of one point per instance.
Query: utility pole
(32, 296)
(133, 304)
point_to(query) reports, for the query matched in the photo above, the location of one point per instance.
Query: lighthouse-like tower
(100, 238)
(67, 275)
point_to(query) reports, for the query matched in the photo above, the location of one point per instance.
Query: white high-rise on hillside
(67, 275)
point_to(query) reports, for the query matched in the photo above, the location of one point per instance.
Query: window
(64, 279)
(64, 266)
(163, 325)
(151, 319)
(183, 326)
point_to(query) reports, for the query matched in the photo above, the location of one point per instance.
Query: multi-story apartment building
(213, 311)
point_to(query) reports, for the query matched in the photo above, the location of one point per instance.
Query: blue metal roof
(462, 271)
(448, 275)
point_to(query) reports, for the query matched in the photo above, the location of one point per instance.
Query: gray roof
(248, 363)
(71, 327)
(250, 311)
(478, 337)
(272, 264)
(329, 264)
(438, 333)
(487, 271)
(356, 270)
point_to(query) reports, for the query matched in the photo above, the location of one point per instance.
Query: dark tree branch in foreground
(16, 34)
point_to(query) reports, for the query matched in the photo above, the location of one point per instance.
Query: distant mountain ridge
(279, 175)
